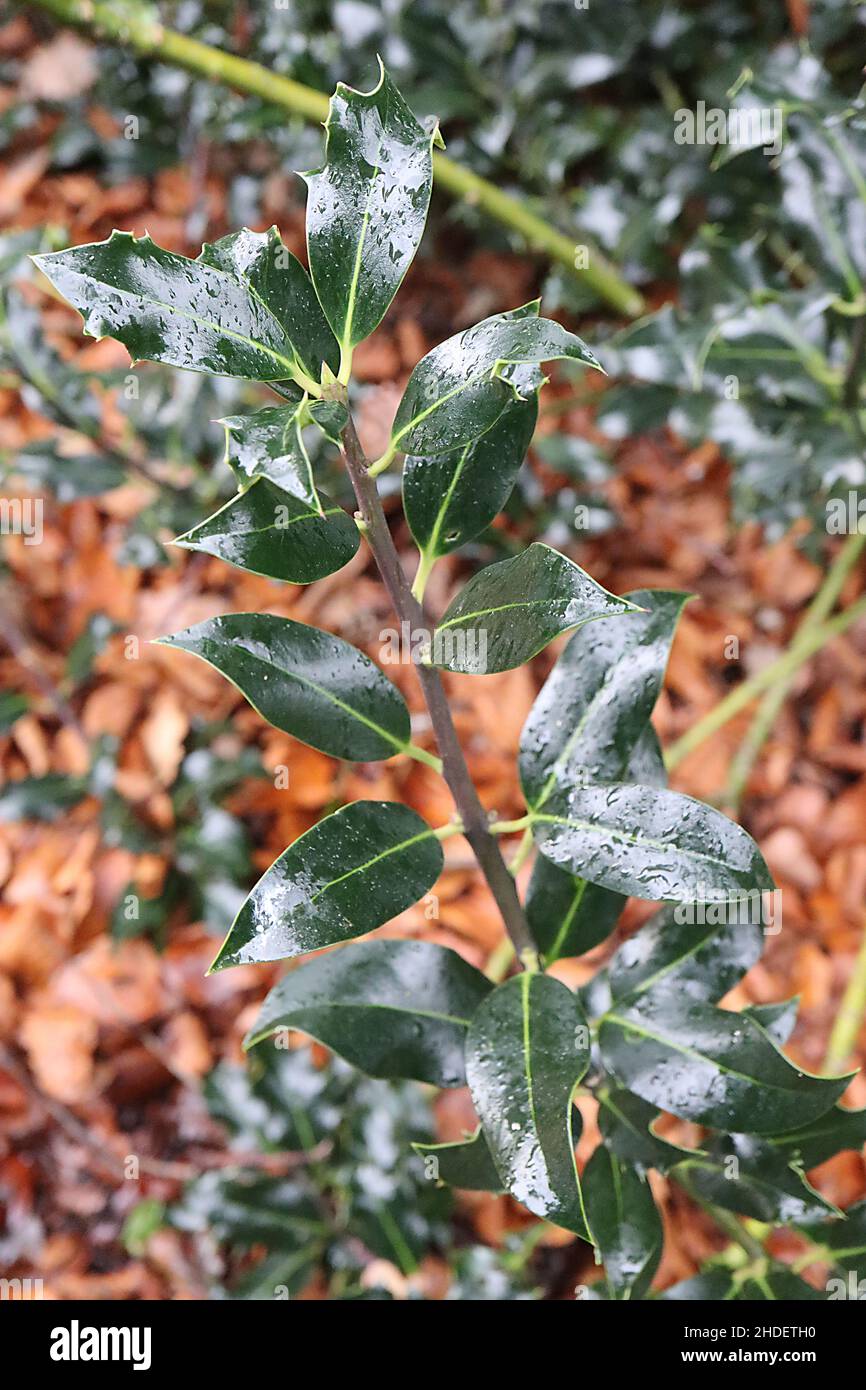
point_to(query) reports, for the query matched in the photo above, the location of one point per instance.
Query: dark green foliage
(644, 1036)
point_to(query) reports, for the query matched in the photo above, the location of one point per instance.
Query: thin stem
(426, 561)
(770, 708)
(524, 849)
(422, 756)
(455, 771)
(140, 29)
(849, 1019)
(511, 827)
(804, 645)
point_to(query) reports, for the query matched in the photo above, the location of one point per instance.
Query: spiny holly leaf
(450, 498)
(367, 206)
(270, 444)
(213, 314)
(268, 531)
(277, 279)
(566, 914)
(509, 611)
(626, 1125)
(467, 1163)
(526, 1050)
(311, 685)
(598, 698)
(392, 1008)
(777, 1020)
(350, 873)
(706, 1064)
(650, 844)
(625, 1224)
(673, 955)
(460, 389)
(814, 1143)
(744, 1174)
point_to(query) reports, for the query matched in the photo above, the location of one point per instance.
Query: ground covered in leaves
(110, 1029)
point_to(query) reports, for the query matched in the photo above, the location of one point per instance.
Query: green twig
(770, 708)
(140, 29)
(805, 645)
(849, 1019)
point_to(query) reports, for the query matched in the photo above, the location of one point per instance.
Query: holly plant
(646, 1035)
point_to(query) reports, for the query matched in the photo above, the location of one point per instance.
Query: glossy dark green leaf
(830, 1134)
(460, 389)
(392, 1008)
(509, 611)
(567, 915)
(311, 685)
(651, 844)
(706, 1064)
(367, 206)
(683, 959)
(777, 1020)
(743, 1174)
(208, 315)
(450, 498)
(270, 532)
(626, 1124)
(466, 1163)
(270, 444)
(526, 1050)
(277, 279)
(346, 876)
(597, 700)
(624, 1221)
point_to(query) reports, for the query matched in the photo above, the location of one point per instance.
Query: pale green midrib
(701, 1057)
(302, 448)
(433, 538)
(688, 953)
(368, 864)
(755, 1179)
(346, 339)
(291, 363)
(525, 982)
(553, 954)
(603, 829)
(302, 680)
(258, 530)
(361, 1004)
(522, 603)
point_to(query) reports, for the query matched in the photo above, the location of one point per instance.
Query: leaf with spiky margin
(625, 1223)
(392, 1008)
(461, 388)
(349, 874)
(268, 531)
(526, 1051)
(198, 314)
(511, 610)
(367, 206)
(306, 682)
(270, 444)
